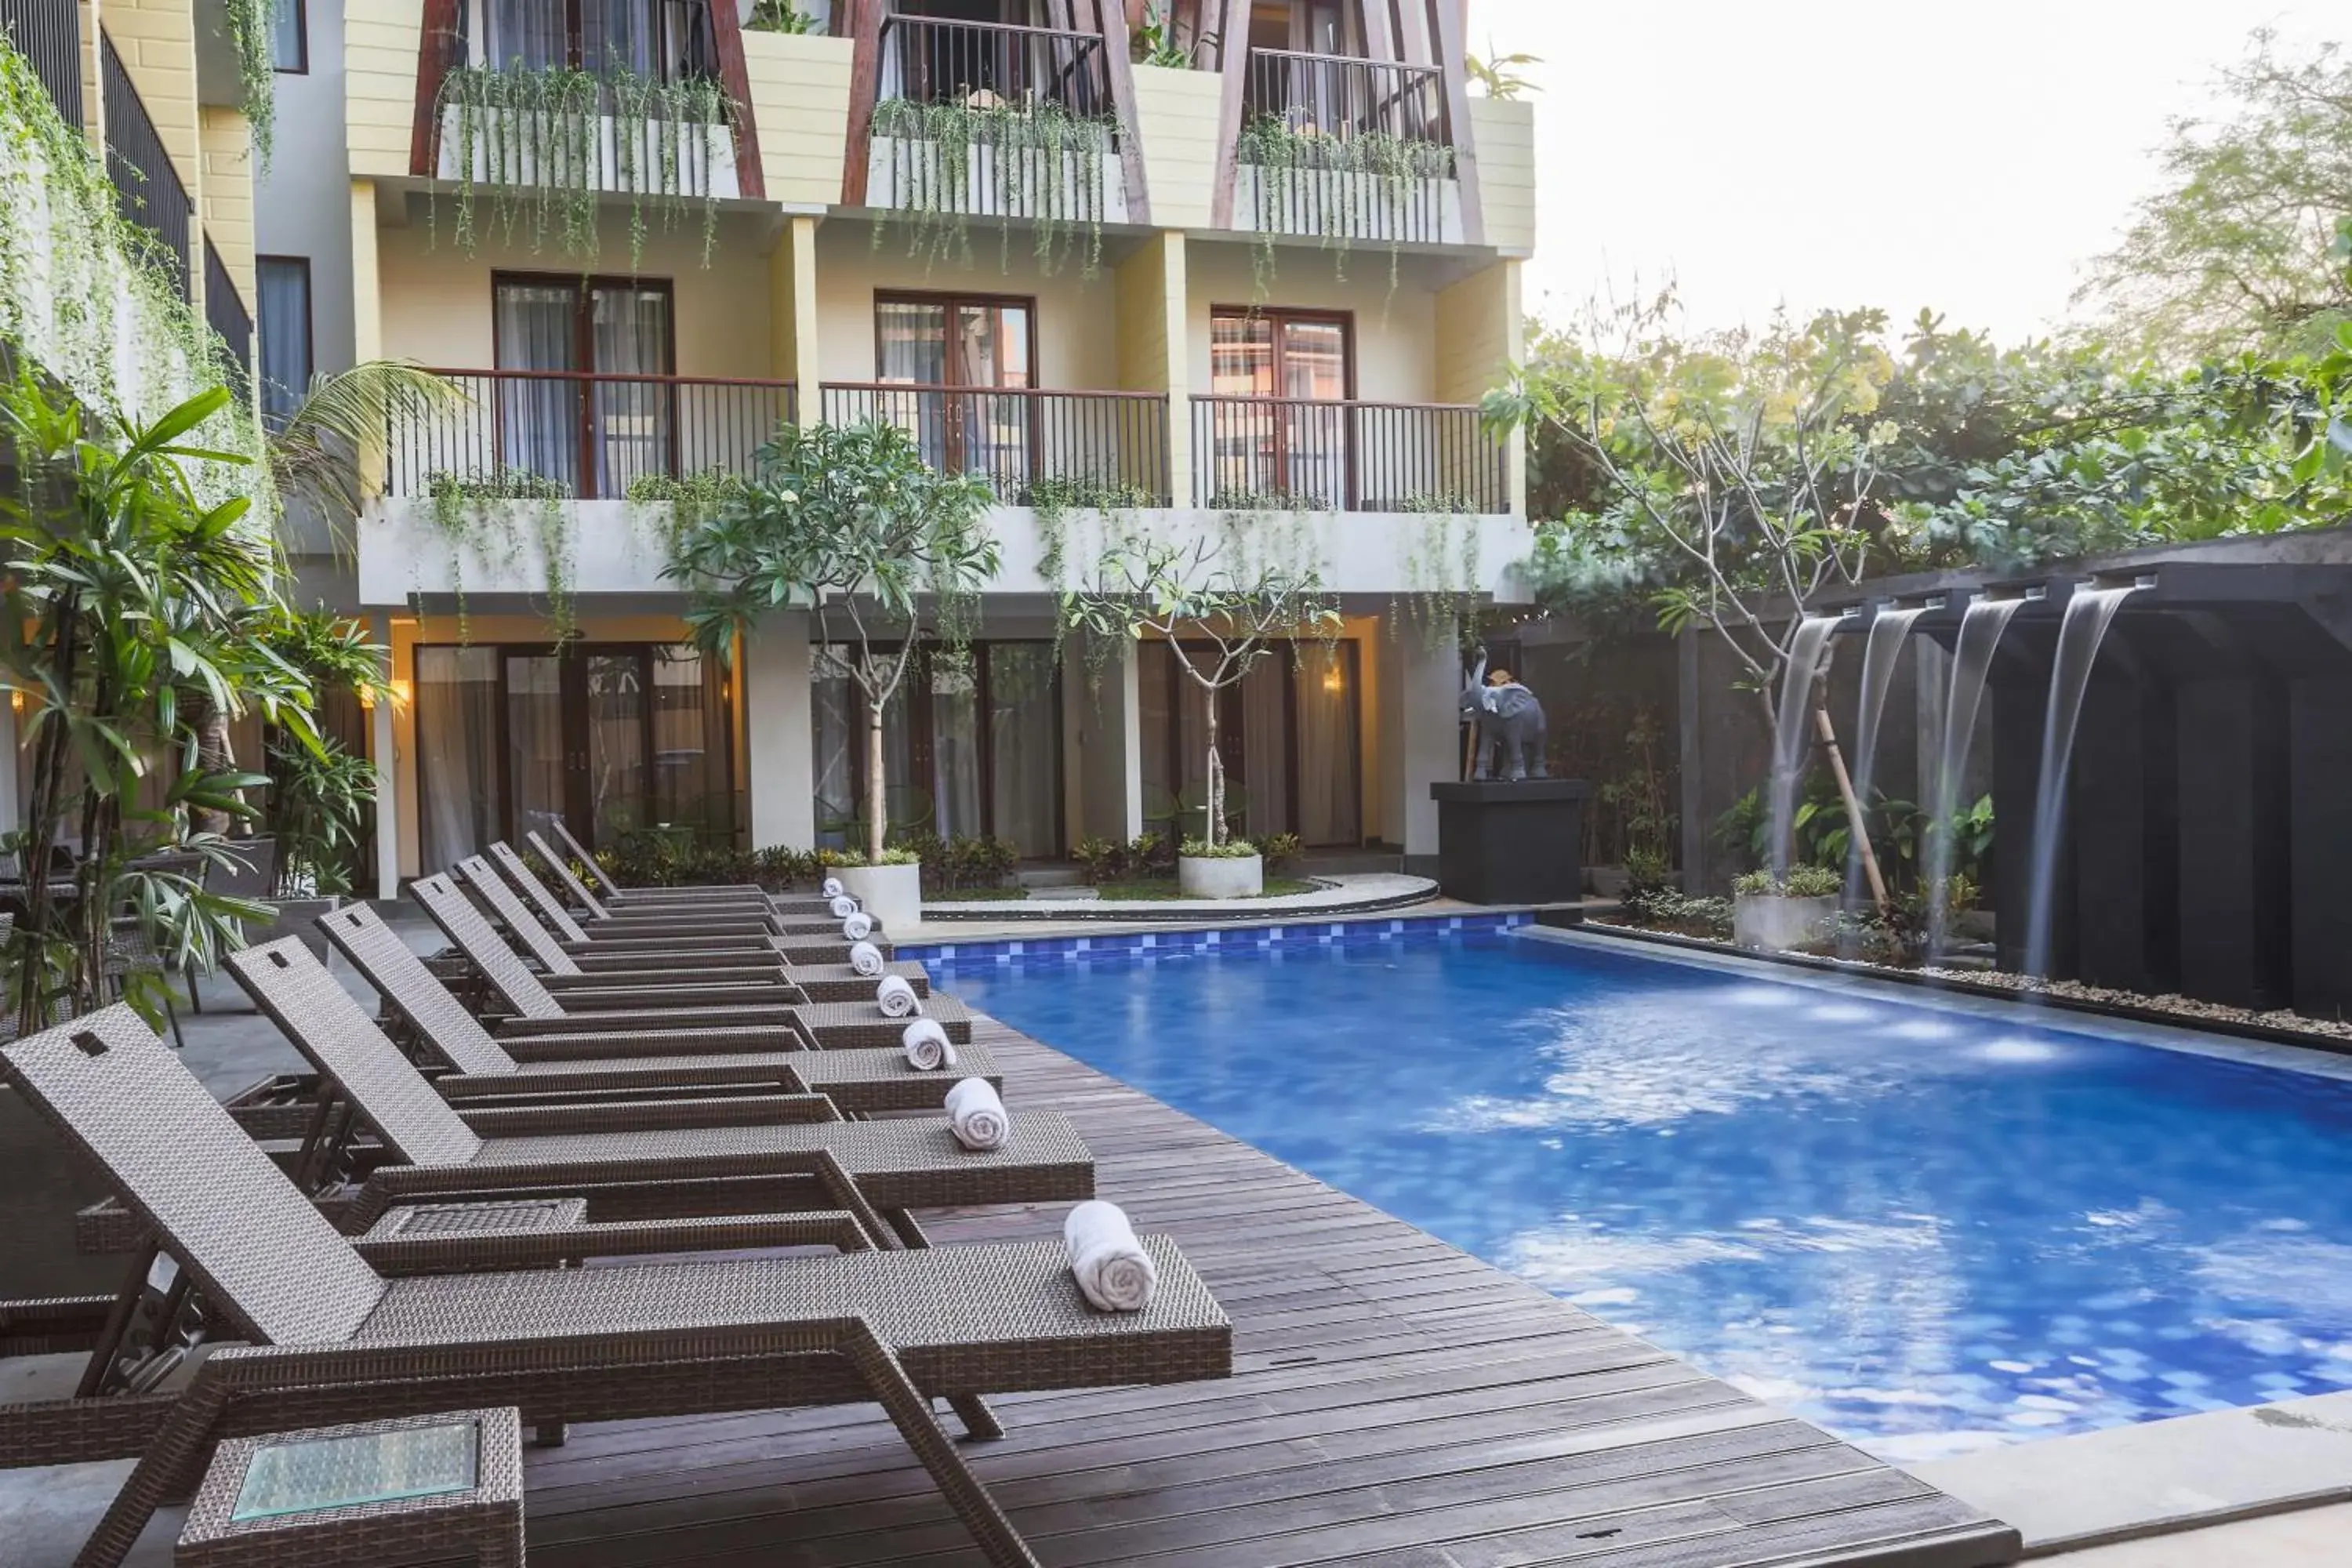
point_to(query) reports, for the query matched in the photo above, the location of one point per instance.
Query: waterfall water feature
(1888, 633)
(2088, 614)
(1980, 629)
(1796, 712)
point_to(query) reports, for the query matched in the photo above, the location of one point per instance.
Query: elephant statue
(1510, 727)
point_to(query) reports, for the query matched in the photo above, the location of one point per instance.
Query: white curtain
(955, 747)
(630, 336)
(1024, 746)
(1266, 748)
(539, 421)
(525, 35)
(456, 738)
(1330, 792)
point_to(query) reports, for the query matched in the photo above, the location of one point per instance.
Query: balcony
(1339, 147)
(226, 314)
(145, 183)
(991, 120)
(587, 437)
(1282, 454)
(1033, 447)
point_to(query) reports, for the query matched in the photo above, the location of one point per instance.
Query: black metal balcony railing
(1282, 453)
(982, 64)
(1344, 97)
(1070, 448)
(48, 32)
(144, 180)
(592, 436)
(227, 315)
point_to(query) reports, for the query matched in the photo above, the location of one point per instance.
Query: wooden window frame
(584, 286)
(949, 301)
(1281, 318)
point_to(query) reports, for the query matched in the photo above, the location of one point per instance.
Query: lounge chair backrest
(559, 867)
(579, 852)
(287, 981)
(487, 950)
(544, 904)
(415, 993)
(263, 1255)
(521, 924)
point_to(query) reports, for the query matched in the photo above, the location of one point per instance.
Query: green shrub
(1150, 855)
(1799, 882)
(1231, 849)
(1281, 851)
(959, 863)
(1100, 859)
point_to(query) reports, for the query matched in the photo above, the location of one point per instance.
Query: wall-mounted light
(1333, 680)
(401, 691)
(16, 700)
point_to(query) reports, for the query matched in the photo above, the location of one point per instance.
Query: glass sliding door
(1025, 747)
(457, 741)
(535, 332)
(1298, 445)
(538, 761)
(1288, 734)
(563, 412)
(1328, 786)
(958, 350)
(620, 785)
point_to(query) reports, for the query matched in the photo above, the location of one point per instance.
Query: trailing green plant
(1054, 501)
(128, 607)
(1363, 185)
(248, 24)
(536, 140)
(851, 524)
(693, 498)
(1038, 161)
(780, 17)
(1281, 851)
(93, 298)
(476, 514)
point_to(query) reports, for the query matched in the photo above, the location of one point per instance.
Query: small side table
(417, 1490)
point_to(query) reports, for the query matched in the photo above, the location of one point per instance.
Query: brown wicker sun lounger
(339, 1329)
(651, 1064)
(599, 954)
(531, 1008)
(613, 893)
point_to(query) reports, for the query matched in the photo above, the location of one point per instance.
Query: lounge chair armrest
(596, 955)
(645, 1116)
(685, 928)
(490, 1251)
(649, 973)
(649, 1080)
(582, 1038)
(596, 992)
(672, 1017)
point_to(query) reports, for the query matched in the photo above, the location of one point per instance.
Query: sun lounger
(531, 1008)
(341, 1330)
(611, 900)
(860, 1081)
(614, 893)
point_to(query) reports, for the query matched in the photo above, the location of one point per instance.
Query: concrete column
(1421, 735)
(1154, 348)
(367, 297)
(1481, 335)
(772, 678)
(792, 313)
(384, 751)
(1103, 698)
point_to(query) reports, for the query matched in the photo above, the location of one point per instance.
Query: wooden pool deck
(1394, 1402)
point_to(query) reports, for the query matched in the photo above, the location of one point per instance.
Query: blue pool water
(1925, 1230)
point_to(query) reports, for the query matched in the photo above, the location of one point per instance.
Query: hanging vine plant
(951, 162)
(476, 515)
(539, 141)
(248, 23)
(1362, 185)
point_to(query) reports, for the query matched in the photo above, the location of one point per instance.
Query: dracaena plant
(129, 609)
(851, 524)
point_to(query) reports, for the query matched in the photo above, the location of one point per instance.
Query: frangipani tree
(1231, 617)
(848, 523)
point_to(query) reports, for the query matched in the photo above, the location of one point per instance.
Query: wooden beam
(1455, 72)
(1233, 43)
(735, 80)
(436, 52)
(864, 86)
(1117, 58)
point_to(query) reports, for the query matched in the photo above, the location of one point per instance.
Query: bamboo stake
(1854, 819)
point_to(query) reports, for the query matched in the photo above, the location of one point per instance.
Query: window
(662, 39)
(290, 36)
(979, 341)
(1296, 444)
(557, 416)
(284, 320)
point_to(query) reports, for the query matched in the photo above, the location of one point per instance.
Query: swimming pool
(1925, 1230)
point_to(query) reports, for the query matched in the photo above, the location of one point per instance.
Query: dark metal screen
(48, 32)
(144, 180)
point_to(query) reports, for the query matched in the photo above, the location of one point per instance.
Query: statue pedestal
(1511, 843)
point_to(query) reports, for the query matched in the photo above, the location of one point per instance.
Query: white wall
(303, 195)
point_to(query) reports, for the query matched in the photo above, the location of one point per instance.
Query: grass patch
(1163, 889)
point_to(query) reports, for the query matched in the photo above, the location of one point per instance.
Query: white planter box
(1206, 877)
(1769, 923)
(705, 154)
(900, 174)
(893, 895)
(1329, 204)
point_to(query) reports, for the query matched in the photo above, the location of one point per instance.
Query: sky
(1974, 155)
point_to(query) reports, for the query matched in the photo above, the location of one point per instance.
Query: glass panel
(1241, 355)
(630, 335)
(1314, 439)
(833, 719)
(1024, 725)
(457, 747)
(1191, 762)
(525, 35)
(913, 338)
(617, 782)
(909, 807)
(993, 433)
(534, 742)
(1330, 762)
(285, 35)
(1156, 725)
(694, 783)
(364, 1468)
(955, 748)
(1264, 798)
(539, 421)
(619, 36)
(282, 287)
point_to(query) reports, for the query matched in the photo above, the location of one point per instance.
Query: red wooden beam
(864, 85)
(735, 80)
(437, 53)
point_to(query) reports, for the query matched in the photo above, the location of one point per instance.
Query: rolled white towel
(858, 928)
(865, 959)
(897, 998)
(844, 906)
(1114, 1271)
(830, 888)
(927, 1047)
(977, 1116)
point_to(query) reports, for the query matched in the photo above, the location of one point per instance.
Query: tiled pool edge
(960, 954)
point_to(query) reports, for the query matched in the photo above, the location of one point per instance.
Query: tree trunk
(877, 788)
(213, 754)
(1213, 827)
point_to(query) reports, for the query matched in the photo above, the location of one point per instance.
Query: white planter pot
(893, 895)
(1770, 922)
(1206, 877)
